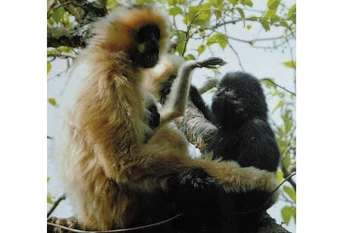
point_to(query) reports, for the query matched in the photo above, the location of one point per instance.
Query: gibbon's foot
(211, 62)
(195, 191)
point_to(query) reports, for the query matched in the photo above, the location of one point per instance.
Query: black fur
(153, 116)
(239, 111)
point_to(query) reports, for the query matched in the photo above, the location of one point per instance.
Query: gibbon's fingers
(211, 62)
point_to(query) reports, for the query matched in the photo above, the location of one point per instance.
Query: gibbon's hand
(195, 191)
(211, 62)
(153, 117)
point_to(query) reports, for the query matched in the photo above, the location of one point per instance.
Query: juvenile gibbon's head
(141, 32)
(239, 97)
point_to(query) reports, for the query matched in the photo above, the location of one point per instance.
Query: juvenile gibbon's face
(238, 98)
(145, 53)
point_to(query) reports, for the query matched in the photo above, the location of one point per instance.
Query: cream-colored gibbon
(114, 176)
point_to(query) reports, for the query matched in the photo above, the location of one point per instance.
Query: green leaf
(175, 11)
(49, 199)
(279, 177)
(241, 13)
(265, 24)
(199, 15)
(292, 13)
(216, 3)
(219, 38)
(286, 160)
(249, 27)
(233, 2)
(287, 213)
(269, 84)
(49, 66)
(110, 4)
(190, 57)
(180, 47)
(201, 49)
(279, 105)
(273, 4)
(144, 1)
(283, 23)
(58, 14)
(270, 13)
(247, 3)
(291, 192)
(52, 101)
(290, 64)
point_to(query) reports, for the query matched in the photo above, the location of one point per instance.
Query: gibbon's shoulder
(118, 28)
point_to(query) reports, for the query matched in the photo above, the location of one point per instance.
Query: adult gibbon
(113, 176)
(243, 134)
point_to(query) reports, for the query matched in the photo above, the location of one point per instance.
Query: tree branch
(271, 81)
(63, 197)
(72, 37)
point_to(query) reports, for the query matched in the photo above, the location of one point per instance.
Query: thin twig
(277, 85)
(63, 197)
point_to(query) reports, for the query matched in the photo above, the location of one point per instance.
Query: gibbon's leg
(176, 103)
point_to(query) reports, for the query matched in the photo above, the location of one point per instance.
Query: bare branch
(63, 197)
(271, 81)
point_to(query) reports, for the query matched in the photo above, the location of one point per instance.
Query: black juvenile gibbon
(239, 111)
(113, 177)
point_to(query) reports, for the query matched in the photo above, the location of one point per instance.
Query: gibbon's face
(146, 51)
(239, 97)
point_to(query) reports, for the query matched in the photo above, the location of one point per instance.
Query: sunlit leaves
(219, 38)
(52, 101)
(144, 1)
(49, 66)
(279, 177)
(279, 105)
(49, 199)
(241, 13)
(287, 213)
(265, 24)
(247, 3)
(290, 192)
(110, 4)
(273, 4)
(292, 13)
(190, 57)
(201, 49)
(233, 2)
(175, 11)
(199, 15)
(290, 64)
(58, 14)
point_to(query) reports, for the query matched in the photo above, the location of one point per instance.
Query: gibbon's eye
(229, 89)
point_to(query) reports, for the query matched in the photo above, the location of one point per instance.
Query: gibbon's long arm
(176, 103)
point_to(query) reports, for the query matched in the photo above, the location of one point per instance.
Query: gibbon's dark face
(145, 53)
(239, 97)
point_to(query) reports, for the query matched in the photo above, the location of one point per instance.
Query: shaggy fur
(239, 111)
(110, 175)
